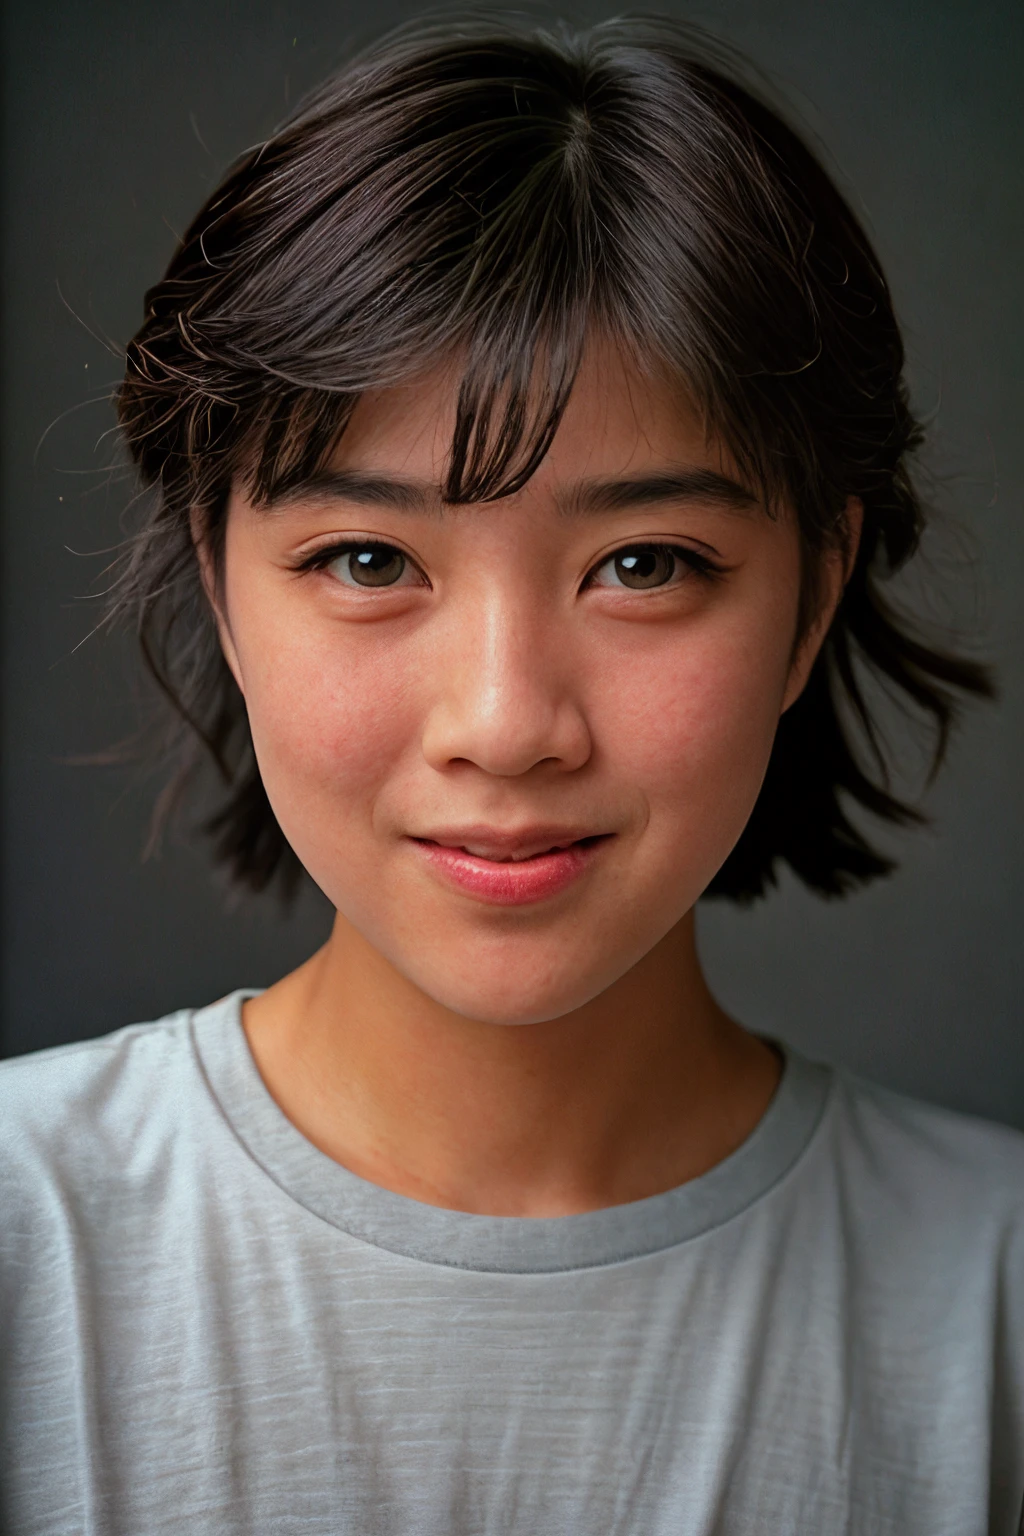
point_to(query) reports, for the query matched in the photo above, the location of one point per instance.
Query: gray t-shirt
(210, 1327)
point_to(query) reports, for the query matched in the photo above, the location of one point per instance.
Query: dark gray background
(119, 117)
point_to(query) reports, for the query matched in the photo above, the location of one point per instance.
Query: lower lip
(516, 883)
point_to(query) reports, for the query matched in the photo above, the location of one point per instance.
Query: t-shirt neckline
(504, 1244)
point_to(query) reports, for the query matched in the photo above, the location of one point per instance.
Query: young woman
(528, 447)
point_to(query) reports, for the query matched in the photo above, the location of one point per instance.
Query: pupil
(376, 567)
(648, 567)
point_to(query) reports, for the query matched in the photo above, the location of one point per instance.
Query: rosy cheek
(694, 723)
(329, 713)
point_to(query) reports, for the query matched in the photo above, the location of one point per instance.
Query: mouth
(498, 849)
(511, 869)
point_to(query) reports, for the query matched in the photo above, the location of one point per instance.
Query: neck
(637, 1091)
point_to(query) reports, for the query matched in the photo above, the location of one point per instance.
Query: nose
(505, 701)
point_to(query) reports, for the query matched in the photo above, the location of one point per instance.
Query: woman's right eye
(369, 565)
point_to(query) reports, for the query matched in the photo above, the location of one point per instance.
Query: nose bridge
(507, 659)
(506, 700)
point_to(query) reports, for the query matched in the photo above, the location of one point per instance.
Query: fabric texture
(208, 1325)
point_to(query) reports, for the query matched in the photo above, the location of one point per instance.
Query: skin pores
(516, 685)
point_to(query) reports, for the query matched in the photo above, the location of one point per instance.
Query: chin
(517, 994)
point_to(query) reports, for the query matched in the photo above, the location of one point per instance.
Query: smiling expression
(513, 742)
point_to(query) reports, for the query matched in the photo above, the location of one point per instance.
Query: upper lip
(497, 843)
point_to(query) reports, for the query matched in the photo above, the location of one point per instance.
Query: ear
(836, 570)
(214, 590)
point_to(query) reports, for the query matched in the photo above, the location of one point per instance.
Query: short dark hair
(495, 193)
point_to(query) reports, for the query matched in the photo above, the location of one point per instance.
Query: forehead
(620, 420)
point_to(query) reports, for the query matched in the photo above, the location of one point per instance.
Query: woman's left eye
(640, 567)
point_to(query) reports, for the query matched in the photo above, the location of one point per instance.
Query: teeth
(512, 858)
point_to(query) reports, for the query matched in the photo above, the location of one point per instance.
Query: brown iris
(646, 565)
(375, 565)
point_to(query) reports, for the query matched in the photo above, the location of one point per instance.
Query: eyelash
(699, 565)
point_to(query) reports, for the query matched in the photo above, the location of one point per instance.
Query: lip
(511, 869)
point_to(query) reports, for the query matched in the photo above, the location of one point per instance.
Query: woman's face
(513, 742)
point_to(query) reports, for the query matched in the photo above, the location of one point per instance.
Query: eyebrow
(367, 490)
(683, 485)
(586, 496)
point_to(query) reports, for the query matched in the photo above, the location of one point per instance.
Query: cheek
(693, 721)
(331, 715)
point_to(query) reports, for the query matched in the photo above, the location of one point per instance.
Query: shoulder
(59, 1091)
(75, 1115)
(931, 1174)
(962, 1147)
